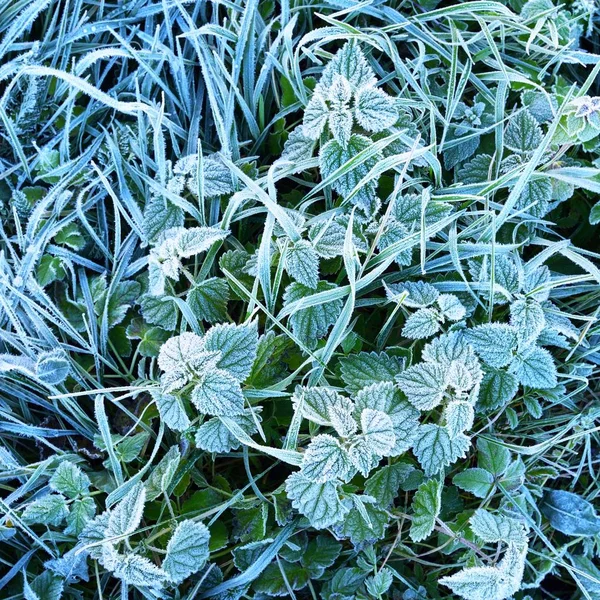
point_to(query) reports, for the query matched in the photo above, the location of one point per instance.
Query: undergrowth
(299, 299)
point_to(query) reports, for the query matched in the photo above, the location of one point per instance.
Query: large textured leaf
(171, 410)
(494, 343)
(363, 369)
(426, 506)
(237, 345)
(326, 460)
(70, 480)
(523, 133)
(187, 550)
(435, 449)
(208, 299)
(218, 393)
(302, 263)
(374, 109)
(535, 368)
(424, 384)
(125, 518)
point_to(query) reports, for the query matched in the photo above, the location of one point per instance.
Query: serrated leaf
(48, 510)
(378, 431)
(424, 384)
(187, 550)
(159, 216)
(171, 410)
(340, 125)
(217, 177)
(477, 481)
(523, 133)
(326, 460)
(214, 436)
(497, 389)
(302, 263)
(315, 117)
(218, 393)
(365, 368)
(374, 109)
(459, 415)
(237, 345)
(535, 368)
(349, 62)
(493, 342)
(318, 404)
(208, 299)
(272, 583)
(319, 502)
(82, 510)
(70, 480)
(125, 518)
(477, 170)
(312, 323)
(422, 324)
(380, 583)
(420, 294)
(320, 554)
(385, 483)
(386, 397)
(426, 506)
(46, 586)
(367, 525)
(298, 146)
(194, 240)
(137, 570)
(435, 449)
(159, 310)
(492, 456)
(528, 318)
(451, 307)
(162, 475)
(53, 367)
(491, 528)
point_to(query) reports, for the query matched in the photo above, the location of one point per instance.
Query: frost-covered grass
(299, 300)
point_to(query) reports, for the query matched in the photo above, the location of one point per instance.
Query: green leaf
(310, 324)
(492, 456)
(320, 554)
(459, 415)
(208, 299)
(237, 345)
(46, 586)
(349, 62)
(497, 389)
(302, 263)
(81, 512)
(214, 436)
(53, 367)
(380, 583)
(218, 393)
(137, 570)
(368, 525)
(523, 133)
(435, 449)
(187, 550)
(159, 216)
(492, 528)
(48, 510)
(271, 581)
(384, 484)
(70, 236)
(326, 460)
(426, 506)
(125, 518)
(570, 514)
(70, 480)
(319, 502)
(159, 310)
(535, 368)
(378, 431)
(595, 214)
(171, 410)
(162, 475)
(422, 324)
(477, 481)
(49, 269)
(493, 342)
(365, 368)
(374, 109)
(424, 384)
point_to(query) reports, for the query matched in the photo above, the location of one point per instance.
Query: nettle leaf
(238, 346)
(310, 324)
(160, 215)
(570, 514)
(378, 430)
(424, 384)
(523, 133)
(315, 117)
(491, 528)
(350, 62)
(477, 481)
(435, 449)
(374, 109)
(320, 503)
(208, 299)
(187, 550)
(490, 583)
(82, 510)
(46, 586)
(422, 324)
(477, 170)
(162, 475)
(194, 240)
(534, 367)
(318, 403)
(364, 523)
(159, 310)
(271, 581)
(298, 146)
(365, 368)
(48, 510)
(53, 367)
(380, 583)
(459, 416)
(492, 456)
(340, 125)
(321, 552)
(408, 209)
(70, 480)
(328, 238)
(528, 318)
(326, 460)
(420, 294)
(302, 263)
(387, 398)
(138, 571)
(497, 389)
(125, 518)
(181, 350)
(333, 156)
(214, 436)
(426, 506)
(385, 483)
(451, 307)
(218, 393)
(216, 175)
(171, 410)
(536, 196)
(362, 457)
(495, 343)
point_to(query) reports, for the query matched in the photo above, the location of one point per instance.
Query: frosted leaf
(319, 502)
(498, 388)
(523, 133)
(495, 343)
(459, 416)
(422, 324)
(162, 475)
(426, 506)
(187, 551)
(70, 480)
(208, 299)
(48, 510)
(302, 263)
(435, 449)
(350, 62)
(298, 146)
(179, 350)
(365, 368)
(315, 117)
(378, 430)
(82, 510)
(420, 294)
(459, 377)
(340, 125)
(451, 307)
(326, 460)
(237, 345)
(527, 316)
(340, 92)
(218, 393)
(424, 384)
(362, 456)
(319, 403)
(374, 109)
(137, 570)
(491, 528)
(125, 518)
(171, 410)
(214, 436)
(535, 368)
